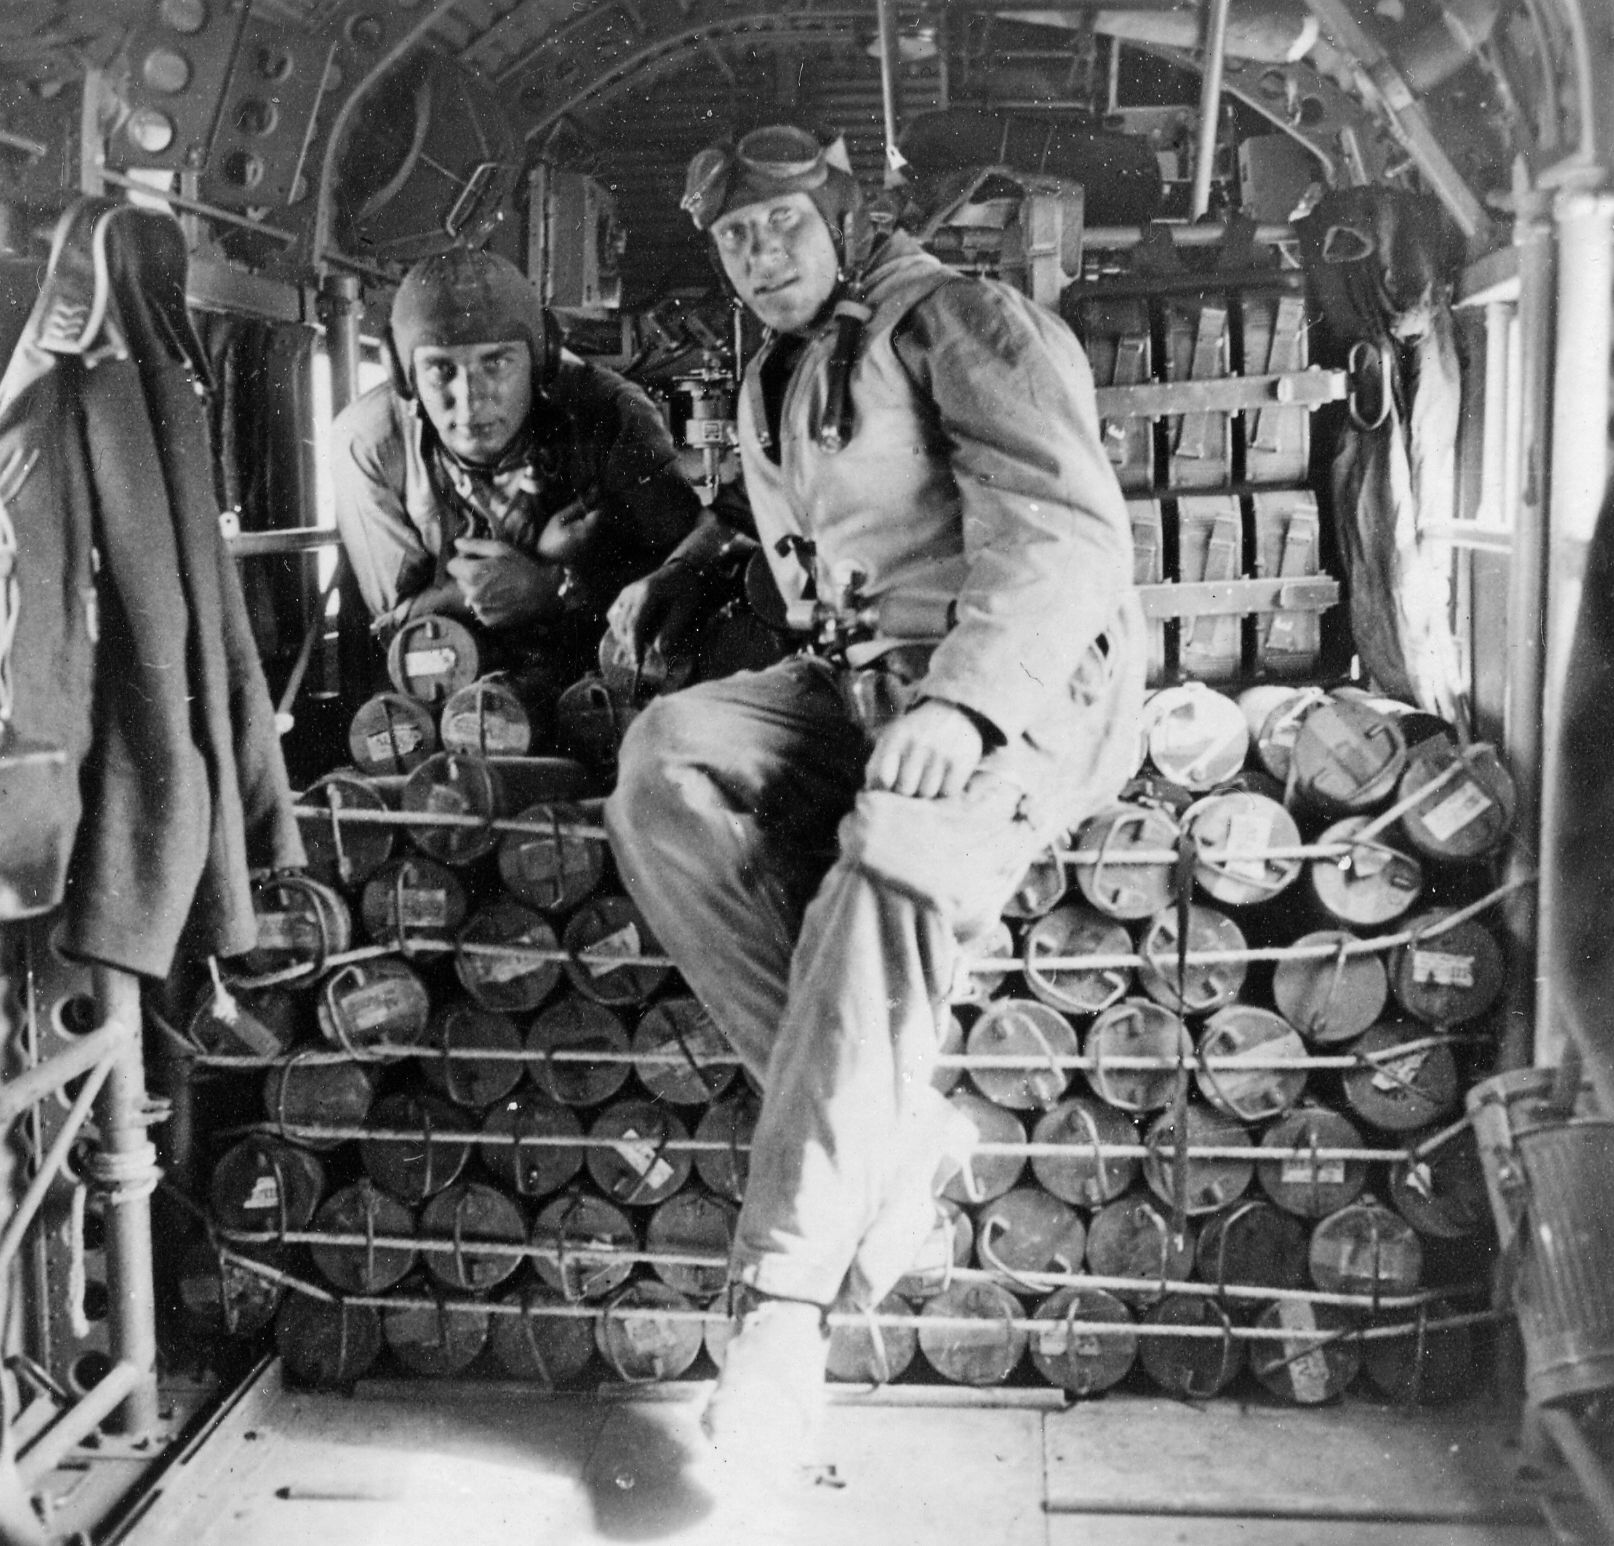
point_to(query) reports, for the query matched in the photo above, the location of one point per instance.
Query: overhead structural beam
(1385, 86)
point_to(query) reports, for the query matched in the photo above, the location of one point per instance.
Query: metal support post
(1528, 416)
(341, 307)
(1579, 462)
(339, 311)
(1210, 103)
(126, 1170)
(888, 92)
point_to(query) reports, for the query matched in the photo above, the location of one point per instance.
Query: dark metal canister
(1137, 1028)
(555, 869)
(863, 1351)
(1471, 814)
(1199, 987)
(489, 718)
(262, 1024)
(1373, 883)
(363, 1209)
(1016, 1027)
(1442, 1193)
(343, 853)
(224, 1296)
(1252, 1244)
(1191, 1367)
(551, 1349)
(639, 1154)
(1089, 1176)
(1069, 932)
(452, 784)
(692, 1224)
(1250, 1034)
(1366, 1249)
(391, 733)
(436, 1340)
(1196, 736)
(1028, 1230)
(1447, 977)
(472, 1081)
(986, 1176)
(570, 1026)
(1070, 1353)
(264, 1183)
(1115, 883)
(1407, 1078)
(372, 1003)
(324, 1344)
(680, 1055)
(470, 1217)
(1210, 1182)
(1310, 1184)
(983, 1352)
(1430, 1362)
(302, 1098)
(412, 899)
(1331, 998)
(515, 983)
(431, 658)
(648, 1332)
(1040, 889)
(1317, 1356)
(587, 1244)
(723, 1138)
(1132, 1238)
(1347, 757)
(300, 923)
(1229, 827)
(531, 1169)
(603, 931)
(429, 1157)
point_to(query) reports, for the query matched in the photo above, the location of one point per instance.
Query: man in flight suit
(497, 478)
(915, 443)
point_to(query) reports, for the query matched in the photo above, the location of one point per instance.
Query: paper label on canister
(1309, 1172)
(375, 1004)
(494, 732)
(1247, 831)
(437, 662)
(1307, 1367)
(1465, 804)
(1443, 969)
(424, 909)
(280, 931)
(601, 957)
(445, 799)
(398, 741)
(1053, 1342)
(1363, 1257)
(643, 1333)
(265, 1193)
(504, 968)
(641, 1155)
(1399, 1073)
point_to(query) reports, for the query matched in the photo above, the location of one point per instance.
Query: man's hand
(501, 584)
(929, 753)
(656, 612)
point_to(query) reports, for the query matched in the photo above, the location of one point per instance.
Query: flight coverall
(592, 437)
(819, 922)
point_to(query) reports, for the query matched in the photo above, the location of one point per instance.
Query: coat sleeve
(638, 467)
(389, 557)
(1046, 536)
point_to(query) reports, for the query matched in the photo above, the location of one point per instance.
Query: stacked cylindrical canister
(1214, 1053)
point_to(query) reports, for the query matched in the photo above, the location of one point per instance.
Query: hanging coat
(133, 651)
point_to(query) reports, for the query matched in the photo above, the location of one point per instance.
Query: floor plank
(1154, 1530)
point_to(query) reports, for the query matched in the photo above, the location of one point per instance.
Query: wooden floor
(404, 1464)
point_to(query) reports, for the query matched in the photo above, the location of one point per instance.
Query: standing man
(496, 478)
(812, 842)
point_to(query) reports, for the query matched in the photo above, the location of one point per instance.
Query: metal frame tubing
(57, 1441)
(126, 1167)
(1579, 462)
(1210, 103)
(1529, 408)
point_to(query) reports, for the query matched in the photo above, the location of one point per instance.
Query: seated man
(916, 443)
(496, 478)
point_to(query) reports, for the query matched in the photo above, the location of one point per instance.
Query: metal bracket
(1309, 388)
(1209, 598)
